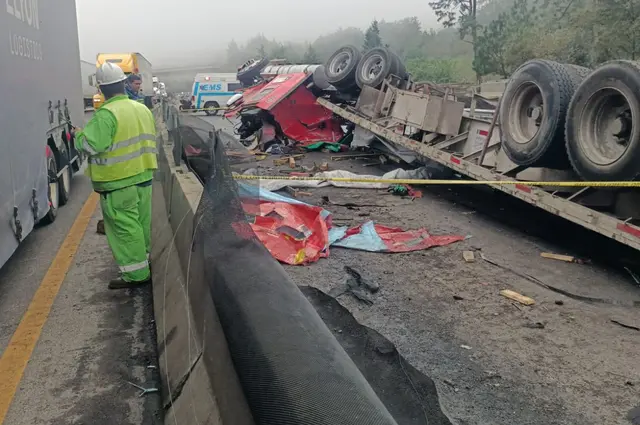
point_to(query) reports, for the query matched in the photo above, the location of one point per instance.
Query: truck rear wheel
(533, 112)
(53, 191)
(603, 123)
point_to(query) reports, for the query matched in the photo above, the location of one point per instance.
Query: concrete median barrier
(200, 385)
(238, 342)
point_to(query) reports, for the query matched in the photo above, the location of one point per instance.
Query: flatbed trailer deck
(621, 230)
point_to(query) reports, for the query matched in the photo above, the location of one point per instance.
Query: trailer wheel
(64, 181)
(211, 104)
(375, 66)
(533, 112)
(53, 191)
(603, 123)
(341, 67)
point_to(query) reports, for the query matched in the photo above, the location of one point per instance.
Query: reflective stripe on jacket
(133, 150)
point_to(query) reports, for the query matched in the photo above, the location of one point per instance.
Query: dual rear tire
(562, 116)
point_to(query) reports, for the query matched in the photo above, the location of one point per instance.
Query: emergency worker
(120, 141)
(133, 88)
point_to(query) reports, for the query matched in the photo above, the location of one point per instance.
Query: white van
(213, 90)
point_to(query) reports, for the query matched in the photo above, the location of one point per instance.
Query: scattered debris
(354, 156)
(419, 173)
(561, 291)
(145, 391)
(371, 286)
(325, 146)
(287, 160)
(633, 275)
(565, 258)
(469, 256)
(512, 295)
(357, 286)
(449, 383)
(465, 347)
(404, 190)
(100, 228)
(458, 298)
(327, 201)
(296, 193)
(535, 325)
(625, 325)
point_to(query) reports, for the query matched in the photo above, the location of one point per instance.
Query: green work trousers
(127, 223)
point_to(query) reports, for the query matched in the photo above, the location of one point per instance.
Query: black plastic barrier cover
(291, 368)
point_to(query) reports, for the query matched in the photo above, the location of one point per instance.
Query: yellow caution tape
(204, 109)
(445, 182)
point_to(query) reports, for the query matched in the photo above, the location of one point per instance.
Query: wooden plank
(512, 295)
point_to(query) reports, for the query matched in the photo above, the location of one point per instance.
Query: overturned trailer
(553, 123)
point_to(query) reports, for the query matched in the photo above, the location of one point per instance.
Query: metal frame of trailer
(457, 153)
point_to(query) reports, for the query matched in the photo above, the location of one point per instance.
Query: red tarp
(298, 234)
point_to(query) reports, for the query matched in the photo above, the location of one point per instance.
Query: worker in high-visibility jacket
(120, 141)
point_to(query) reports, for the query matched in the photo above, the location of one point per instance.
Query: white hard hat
(109, 73)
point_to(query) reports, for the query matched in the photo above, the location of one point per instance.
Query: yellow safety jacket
(134, 145)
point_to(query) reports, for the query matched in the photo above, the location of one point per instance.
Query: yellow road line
(17, 354)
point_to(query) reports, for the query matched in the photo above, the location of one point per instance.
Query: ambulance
(212, 90)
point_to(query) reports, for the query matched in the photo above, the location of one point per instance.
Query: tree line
(481, 39)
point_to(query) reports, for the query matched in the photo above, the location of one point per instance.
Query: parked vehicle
(212, 90)
(42, 77)
(131, 63)
(89, 86)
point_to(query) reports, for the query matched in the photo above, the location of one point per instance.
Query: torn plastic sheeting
(378, 238)
(249, 191)
(298, 233)
(293, 233)
(364, 138)
(419, 173)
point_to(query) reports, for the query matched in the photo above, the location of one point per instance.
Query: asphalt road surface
(92, 341)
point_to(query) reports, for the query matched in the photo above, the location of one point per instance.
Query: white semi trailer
(41, 75)
(89, 86)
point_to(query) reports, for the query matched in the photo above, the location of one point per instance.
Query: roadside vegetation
(481, 39)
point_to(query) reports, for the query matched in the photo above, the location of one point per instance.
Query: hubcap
(526, 112)
(605, 126)
(372, 67)
(340, 63)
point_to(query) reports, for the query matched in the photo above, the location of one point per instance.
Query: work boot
(123, 284)
(100, 228)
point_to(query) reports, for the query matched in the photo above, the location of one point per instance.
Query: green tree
(310, 56)
(372, 36)
(262, 51)
(462, 14)
(505, 43)
(279, 51)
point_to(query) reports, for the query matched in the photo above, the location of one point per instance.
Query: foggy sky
(170, 31)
